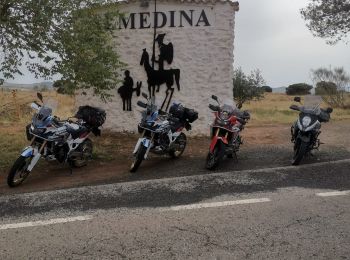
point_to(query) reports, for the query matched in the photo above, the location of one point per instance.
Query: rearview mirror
(34, 106)
(141, 104)
(214, 97)
(329, 110)
(297, 99)
(214, 108)
(40, 97)
(144, 95)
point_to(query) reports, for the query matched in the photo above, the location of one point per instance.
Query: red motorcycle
(225, 132)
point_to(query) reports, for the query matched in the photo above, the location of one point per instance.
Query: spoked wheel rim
(212, 158)
(180, 146)
(21, 173)
(86, 154)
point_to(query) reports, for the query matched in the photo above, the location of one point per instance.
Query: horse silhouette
(126, 92)
(157, 78)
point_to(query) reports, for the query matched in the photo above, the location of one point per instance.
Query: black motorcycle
(306, 130)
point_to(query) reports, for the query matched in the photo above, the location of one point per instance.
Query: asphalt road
(279, 213)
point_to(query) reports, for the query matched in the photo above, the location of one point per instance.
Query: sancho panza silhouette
(127, 89)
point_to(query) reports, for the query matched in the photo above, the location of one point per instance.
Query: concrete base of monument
(264, 147)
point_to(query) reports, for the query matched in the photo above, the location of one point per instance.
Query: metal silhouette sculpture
(166, 52)
(159, 77)
(127, 90)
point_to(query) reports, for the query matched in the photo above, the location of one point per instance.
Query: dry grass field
(15, 114)
(274, 109)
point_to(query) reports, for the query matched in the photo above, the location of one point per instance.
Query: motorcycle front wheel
(215, 157)
(18, 172)
(140, 155)
(179, 146)
(299, 152)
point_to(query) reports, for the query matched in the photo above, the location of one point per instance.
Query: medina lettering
(145, 20)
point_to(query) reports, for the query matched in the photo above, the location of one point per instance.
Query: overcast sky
(272, 36)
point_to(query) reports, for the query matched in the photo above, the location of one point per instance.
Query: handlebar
(294, 107)
(214, 108)
(141, 104)
(241, 120)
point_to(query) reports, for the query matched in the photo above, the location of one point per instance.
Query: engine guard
(304, 138)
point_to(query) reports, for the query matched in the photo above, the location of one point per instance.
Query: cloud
(272, 36)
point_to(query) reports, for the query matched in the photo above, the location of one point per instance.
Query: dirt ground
(263, 147)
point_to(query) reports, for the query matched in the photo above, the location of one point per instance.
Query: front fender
(29, 151)
(214, 142)
(144, 141)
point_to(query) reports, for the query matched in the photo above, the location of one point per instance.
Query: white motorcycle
(162, 133)
(65, 141)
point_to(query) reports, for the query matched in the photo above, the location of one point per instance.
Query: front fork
(33, 152)
(216, 138)
(145, 142)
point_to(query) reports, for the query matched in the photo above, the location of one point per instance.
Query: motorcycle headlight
(306, 121)
(224, 115)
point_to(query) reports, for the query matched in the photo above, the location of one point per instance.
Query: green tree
(68, 38)
(247, 87)
(325, 88)
(299, 89)
(328, 19)
(337, 76)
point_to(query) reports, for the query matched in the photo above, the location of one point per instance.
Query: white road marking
(333, 193)
(216, 204)
(45, 222)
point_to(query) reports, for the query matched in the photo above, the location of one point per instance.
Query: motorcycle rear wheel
(181, 142)
(140, 155)
(299, 152)
(85, 148)
(18, 172)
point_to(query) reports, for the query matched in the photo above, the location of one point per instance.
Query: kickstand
(70, 168)
(235, 157)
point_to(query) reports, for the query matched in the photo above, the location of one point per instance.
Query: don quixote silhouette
(155, 78)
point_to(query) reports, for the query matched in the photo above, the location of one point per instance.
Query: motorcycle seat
(77, 132)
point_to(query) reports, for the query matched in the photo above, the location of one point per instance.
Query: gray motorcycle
(306, 130)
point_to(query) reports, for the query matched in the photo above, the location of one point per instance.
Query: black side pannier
(191, 115)
(183, 113)
(177, 110)
(93, 116)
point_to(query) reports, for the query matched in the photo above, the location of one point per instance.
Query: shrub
(267, 89)
(325, 88)
(299, 89)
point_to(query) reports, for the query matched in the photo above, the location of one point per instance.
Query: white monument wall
(203, 52)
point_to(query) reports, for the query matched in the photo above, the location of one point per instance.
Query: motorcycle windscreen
(311, 105)
(227, 108)
(43, 117)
